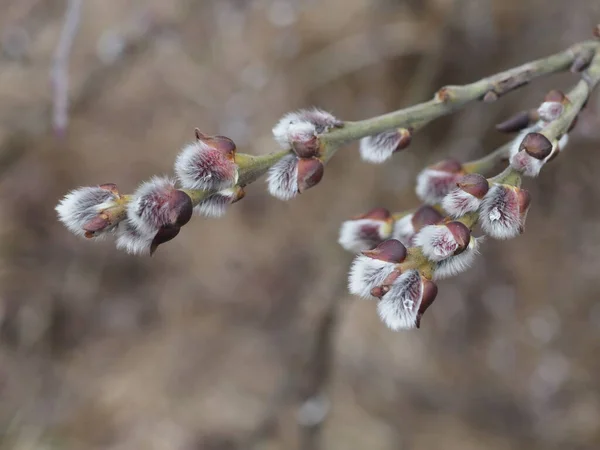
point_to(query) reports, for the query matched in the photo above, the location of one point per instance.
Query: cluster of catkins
(205, 170)
(205, 183)
(400, 254)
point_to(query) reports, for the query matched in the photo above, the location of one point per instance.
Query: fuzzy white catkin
(81, 205)
(351, 238)
(379, 148)
(399, 307)
(436, 242)
(199, 166)
(499, 213)
(367, 273)
(132, 239)
(282, 179)
(459, 263)
(145, 211)
(458, 203)
(302, 125)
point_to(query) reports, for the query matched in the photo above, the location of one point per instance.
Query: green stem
(451, 98)
(251, 168)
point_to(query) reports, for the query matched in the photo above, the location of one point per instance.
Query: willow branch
(451, 98)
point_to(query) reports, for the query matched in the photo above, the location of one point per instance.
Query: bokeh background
(240, 333)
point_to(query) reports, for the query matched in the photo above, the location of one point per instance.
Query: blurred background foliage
(240, 334)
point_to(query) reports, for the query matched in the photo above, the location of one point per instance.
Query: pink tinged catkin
(455, 265)
(299, 130)
(532, 153)
(366, 231)
(372, 268)
(406, 228)
(132, 240)
(405, 301)
(503, 211)
(467, 196)
(155, 214)
(435, 182)
(207, 164)
(282, 179)
(439, 242)
(81, 210)
(380, 147)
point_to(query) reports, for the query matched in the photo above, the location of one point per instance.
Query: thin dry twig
(59, 73)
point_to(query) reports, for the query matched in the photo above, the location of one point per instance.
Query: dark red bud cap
(405, 139)
(390, 250)
(430, 291)
(98, 223)
(517, 122)
(461, 233)
(181, 207)
(165, 234)
(475, 184)
(447, 165)
(524, 200)
(596, 31)
(240, 193)
(375, 214)
(536, 145)
(111, 187)
(310, 172)
(221, 143)
(307, 149)
(380, 291)
(426, 215)
(555, 96)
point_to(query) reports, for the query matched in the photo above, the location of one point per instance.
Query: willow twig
(451, 98)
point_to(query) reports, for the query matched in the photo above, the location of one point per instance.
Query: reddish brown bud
(512, 83)
(307, 148)
(181, 208)
(240, 193)
(165, 234)
(391, 250)
(220, 143)
(536, 145)
(475, 184)
(380, 291)
(596, 31)
(426, 215)
(405, 138)
(490, 97)
(375, 214)
(524, 200)
(430, 291)
(517, 122)
(93, 226)
(444, 95)
(447, 165)
(110, 187)
(461, 233)
(555, 96)
(582, 61)
(384, 288)
(310, 172)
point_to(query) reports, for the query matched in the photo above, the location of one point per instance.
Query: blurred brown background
(240, 333)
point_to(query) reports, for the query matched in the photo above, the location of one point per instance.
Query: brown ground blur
(218, 341)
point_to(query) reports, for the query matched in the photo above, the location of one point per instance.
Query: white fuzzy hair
(399, 307)
(83, 204)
